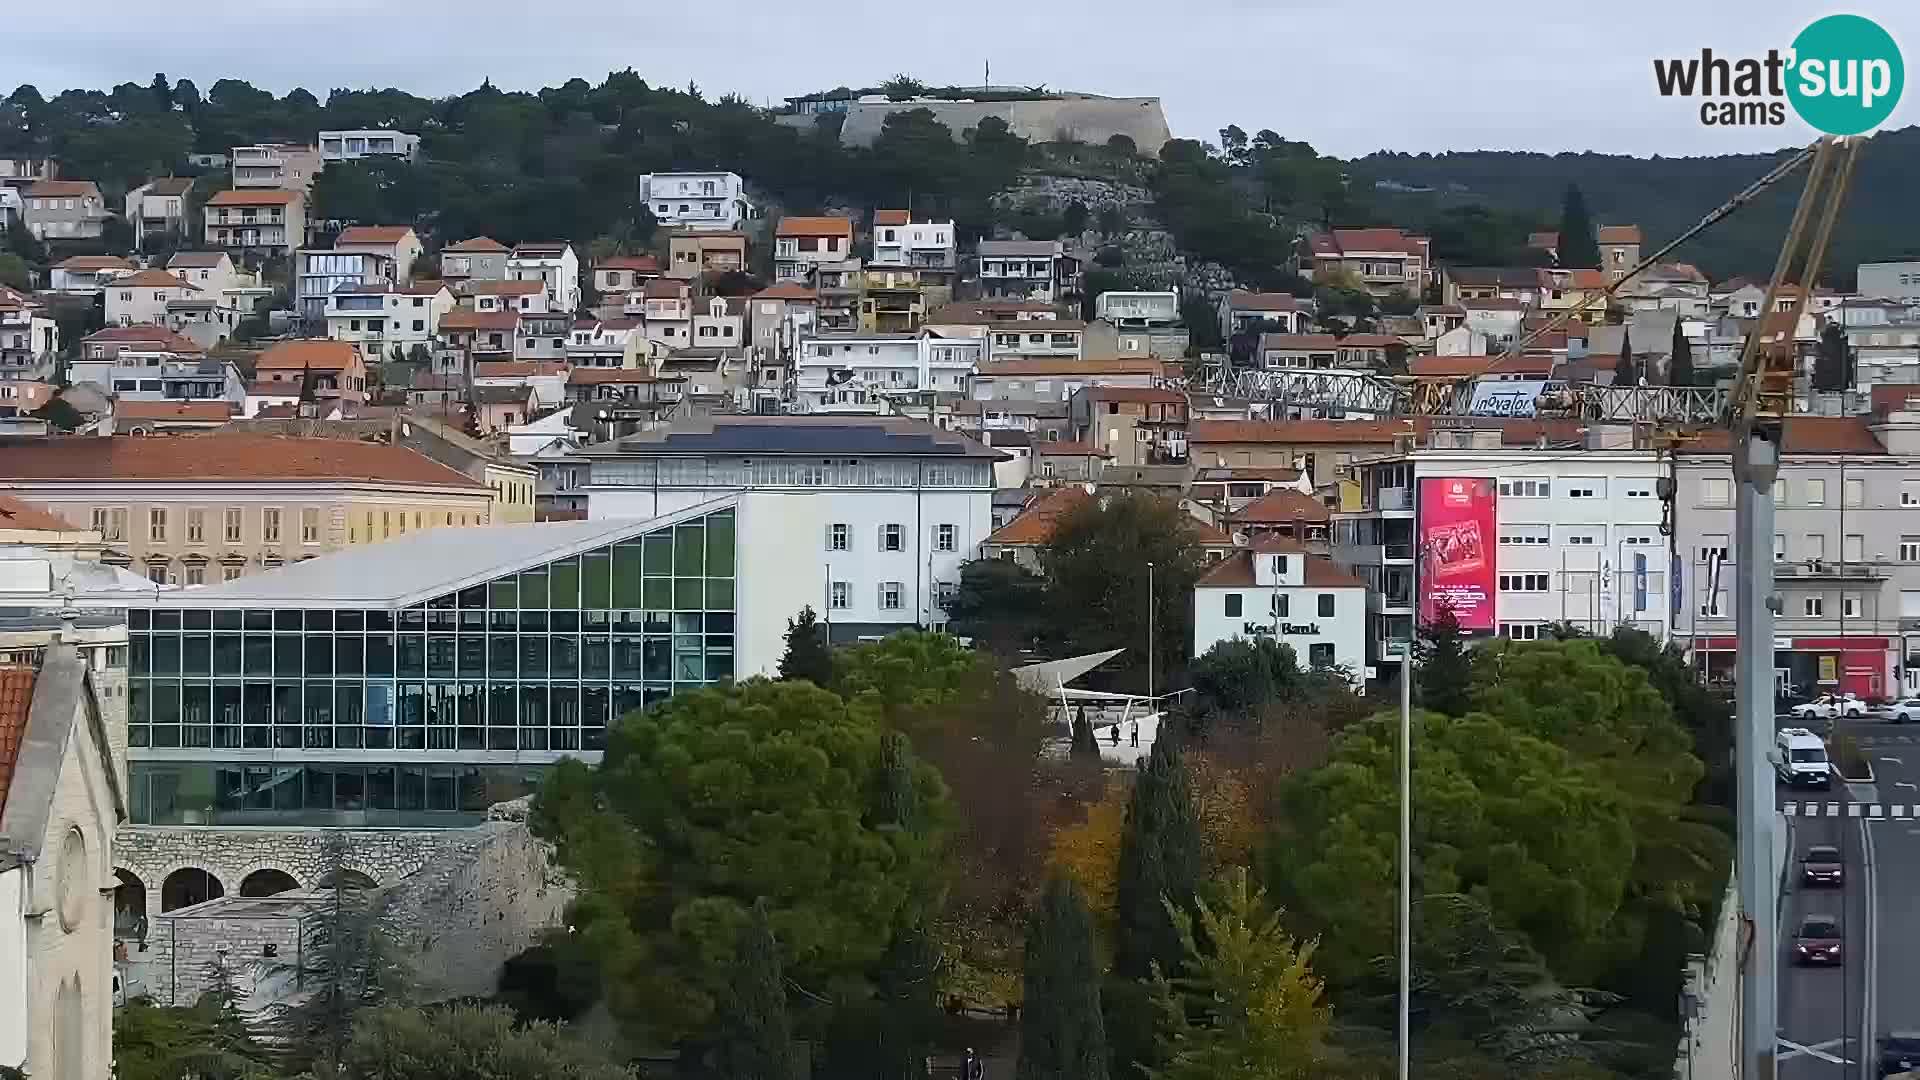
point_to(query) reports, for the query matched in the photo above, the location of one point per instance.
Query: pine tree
(1578, 249)
(1680, 366)
(758, 1043)
(1160, 863)
(1443, 677)
(807, 656)
(1062, 1033)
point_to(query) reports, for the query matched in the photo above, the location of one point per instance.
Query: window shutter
(828, 542)
(880, 595)
(880, 538)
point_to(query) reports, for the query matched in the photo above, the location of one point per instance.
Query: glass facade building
(425, 710)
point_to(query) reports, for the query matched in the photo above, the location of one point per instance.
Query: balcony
(1814, 570)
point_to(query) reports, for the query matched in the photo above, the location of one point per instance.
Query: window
(1910, 493)
(270, 524)
(157, 573)
(1816, 493)
(1527, 489)
(1780, 490)
(1233, 605)
(196, 526)
(1779, 547)
(1850, 605)
(1713, 546)
(1583, 535)
(892, 538)
(1816, 546)
(836, 538)
(1585, 488)
(1713, 606)
(231, 526)
(196, 575)
(229, 573)
(157, 525)
(1277, 606)
(1320, 654)
(1910, 549)
(1520, 631)
(1813, 606)
(1640, 489)
(837, 594)
(892, 595)
(1853, 547)
(1525, 582)
(1326, 605)
(1715, 491)
(945, 538)
(309, 524)
(1856, 492)
(1526, 535)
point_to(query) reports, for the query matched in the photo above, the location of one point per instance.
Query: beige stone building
(198, 509)
(141, 299)
(263, 220)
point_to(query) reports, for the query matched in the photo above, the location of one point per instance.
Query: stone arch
(187, 886)
(267, 881)
(348, 878)
(129, 905)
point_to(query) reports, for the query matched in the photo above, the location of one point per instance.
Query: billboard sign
(1458, 549)
(1506, 397)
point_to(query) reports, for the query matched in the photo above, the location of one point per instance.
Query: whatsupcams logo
(1843, 76)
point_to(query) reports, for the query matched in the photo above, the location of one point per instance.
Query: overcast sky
(1349, 76)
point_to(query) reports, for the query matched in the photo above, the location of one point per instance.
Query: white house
(877, 517)
(553, 265)
(706, 201)
(141, 299)
(210, 271)
(884, 363)
(1277, 590)
(398, 243)
(898, 240)
(384, 320)
(87, 274)
(366, 143)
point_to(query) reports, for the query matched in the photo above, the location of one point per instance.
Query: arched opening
(188, 886)
(129, 905)
(347, 879)
(267, 881)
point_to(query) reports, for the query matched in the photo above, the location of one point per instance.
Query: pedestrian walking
(1116, 734)
(1135, 734)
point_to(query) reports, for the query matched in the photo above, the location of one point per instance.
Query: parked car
(1830, 706)
(1822, 865)
(1904, 711)
(1899, 1051)
(1818, 941)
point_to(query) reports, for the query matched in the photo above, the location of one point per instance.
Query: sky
(1349, 77)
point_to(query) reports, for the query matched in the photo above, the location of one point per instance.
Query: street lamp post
(1406, 852)
(1150, 641)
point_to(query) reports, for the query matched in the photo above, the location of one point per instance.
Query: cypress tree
(1578, 248)
(1160, 863)
(808, 655)
(1680, 367)
(1062, 1034)
(1830, 367)
(759, 1041)
(1085, 746)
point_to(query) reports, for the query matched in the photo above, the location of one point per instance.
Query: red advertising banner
(1458, 550)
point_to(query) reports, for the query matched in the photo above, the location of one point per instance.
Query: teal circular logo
(1846, 75)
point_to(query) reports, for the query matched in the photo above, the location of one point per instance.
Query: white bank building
(889, 510)
(1276, 590)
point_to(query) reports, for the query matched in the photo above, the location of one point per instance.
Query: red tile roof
(154, 279)
(1298, 432)
(16, 704)
(1803, 435)
(1280, 506)
(815, 226)
(644, 264)
(254, 197)
(1035, 524)
(477, 243)
(660, 289)
(1340, 241)
(1617, 234)
(1236, 572)
(196, 259)
(158, 336)
(786, 290)
(199, 412)
(372, 234)
(1262, 301)
(63, 189)
(21, 515)
(216, 457)
(307, 355)
(86, 263)
(892, 217)
(517, 369)
(275, 389)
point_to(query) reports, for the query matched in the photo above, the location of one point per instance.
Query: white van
(1800, 758)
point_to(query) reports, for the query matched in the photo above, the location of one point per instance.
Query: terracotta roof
(502, 395)
(661, 289)
(1262, 301)
(469, 319)
(1444, 366)
(1804, 435)
(786, 290)
(540, 249)
(586, 376)
(372, 234)
(272, 389)
(1068, 448)
(21, 515)
(502, 288)
(196, 411)
(1207, 535)
(1069, 366)
(477, 243)
(93, 262)
(254, 197)
(16, 704)
(213, 457)
(154, 279)
(517, 369)
(158, 336)
(1340, 241)
(307, 355)
(170, 185)
(427, 380)
(892, 217)
(63, 189)
(646, 264)
(1442, 309)
(1617, 234)
(1297, 432)
(1282, 505)
(1139, 395)
(1588, 279)
(1035, 524)
(814, 226)
(1236, 572)
(196, 260)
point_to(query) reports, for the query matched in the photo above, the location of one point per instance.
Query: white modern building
(882, 365)
(387, 321)
(705, 201)
(877, 514)
(1577, 536)
(1277, 590)
(898, 240)
(158, 375)
(289, 166)
(553, 265)
(368, 143)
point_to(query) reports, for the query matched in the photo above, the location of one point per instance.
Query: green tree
(1234, 678)
(1680, 364)
(1096, 565)
(1247, 1004)
(807, 656)
(1625, 371)
(1443, 664)
(21, 241)
(1160, 863)
(1062, 1034)
(728, 796)
(1578, 249)
(902, 87)
(759, 1041)
(14, 272)
(1832, 364)
(1001, 606)
(1085, 746)
(1074, 218)
(208, 1040)
(466, 1042)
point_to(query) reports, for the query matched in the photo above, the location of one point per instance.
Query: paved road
(1824, 1009)
(1895, 750)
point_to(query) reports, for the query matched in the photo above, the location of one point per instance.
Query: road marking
(1833, 809)
(1869, 1007)
(1817, 1050)
(1874, 810)
(1853, 809)
(1895, 760)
